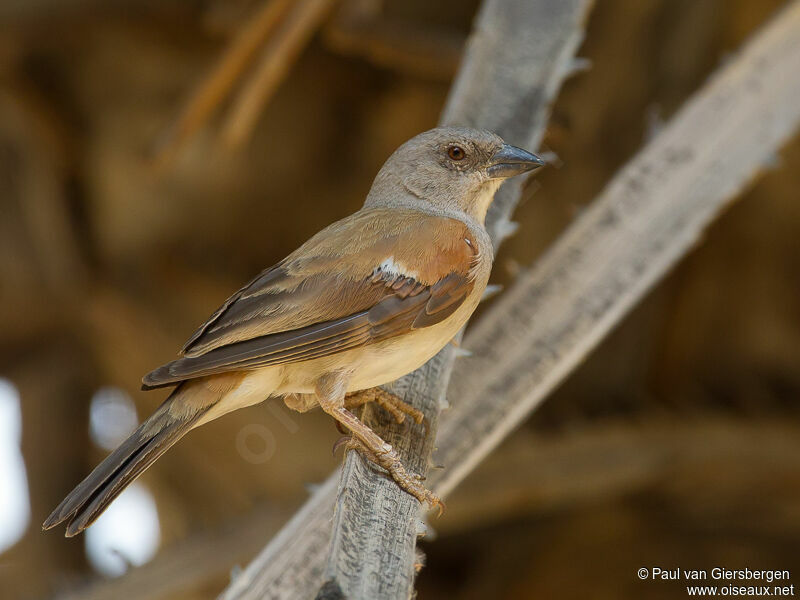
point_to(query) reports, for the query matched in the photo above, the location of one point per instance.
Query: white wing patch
(390, 267)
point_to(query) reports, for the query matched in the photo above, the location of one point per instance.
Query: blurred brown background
(677, 444)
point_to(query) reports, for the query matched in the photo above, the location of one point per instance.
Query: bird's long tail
(173, 419)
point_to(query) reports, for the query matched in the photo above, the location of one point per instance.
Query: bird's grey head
(450, 168)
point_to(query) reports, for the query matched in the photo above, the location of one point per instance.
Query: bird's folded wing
(375, 275)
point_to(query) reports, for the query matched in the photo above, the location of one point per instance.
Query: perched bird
(365, 301)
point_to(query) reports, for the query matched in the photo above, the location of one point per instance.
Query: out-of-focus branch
(190, 564)
(416, 49)
(213, 90)
(612, 457)
(372, 549)
(279, 53)
(32, 178)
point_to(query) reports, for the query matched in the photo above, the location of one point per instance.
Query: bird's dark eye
(456, 152)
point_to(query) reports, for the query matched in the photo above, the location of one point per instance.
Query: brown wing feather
(259, 281)
(299, 310)
(392, 316)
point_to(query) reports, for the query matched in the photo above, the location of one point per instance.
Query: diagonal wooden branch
(517, 58)
(652, 213)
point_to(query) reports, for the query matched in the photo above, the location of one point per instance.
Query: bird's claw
(411, 483)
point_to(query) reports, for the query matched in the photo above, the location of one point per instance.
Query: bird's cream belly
(379, 363)
(368, 367)
(384, 363)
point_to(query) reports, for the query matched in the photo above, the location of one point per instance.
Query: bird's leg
(387, 401)
(330, 392)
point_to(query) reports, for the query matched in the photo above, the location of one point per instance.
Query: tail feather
(155, 436)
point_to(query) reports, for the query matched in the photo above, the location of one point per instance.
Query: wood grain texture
(375, 524)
